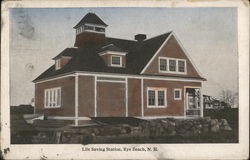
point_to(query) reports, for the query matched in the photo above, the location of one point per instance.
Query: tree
(229, 97)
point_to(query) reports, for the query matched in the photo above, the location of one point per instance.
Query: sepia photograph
(123, 75)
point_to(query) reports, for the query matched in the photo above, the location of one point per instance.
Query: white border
(170, 151)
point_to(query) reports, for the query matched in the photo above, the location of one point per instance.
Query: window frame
(50, 99)
(156, 97)
(115, 65)
(180, 90)
(168, 65)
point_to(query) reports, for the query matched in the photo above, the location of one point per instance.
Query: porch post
(76, 99)
(201, 102)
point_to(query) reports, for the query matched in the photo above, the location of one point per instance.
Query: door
(111, 101)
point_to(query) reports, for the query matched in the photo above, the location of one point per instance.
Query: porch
(193, 102)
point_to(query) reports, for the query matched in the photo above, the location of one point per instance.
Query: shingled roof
(88, 59)
(92, 19)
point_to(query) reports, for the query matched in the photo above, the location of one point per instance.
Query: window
(156, 98)
(172, 65)
(177, 94)
(151, 98)
(163, 64)
(181, 65)
(86, 27)
(99, 29)
(58, 66)
(52, 98)
(116, 61)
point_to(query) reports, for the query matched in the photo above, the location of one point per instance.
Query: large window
(52, 98)
(177, 94)
(172, 65)
(116, 61)
(156, 98)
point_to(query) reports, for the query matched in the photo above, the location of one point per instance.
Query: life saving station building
(110, 77)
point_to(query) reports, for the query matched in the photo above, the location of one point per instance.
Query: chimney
(140, 37)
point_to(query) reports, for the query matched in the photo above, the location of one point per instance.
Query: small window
(181, 66)
(177, 94)
(116, 61)
(163, 64)
(99, 29)
(58, 66)
(86, 27)
(52, 98)
(172, 65)
(156, 98)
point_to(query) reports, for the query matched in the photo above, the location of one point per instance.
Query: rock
(227, 128)
(213, 122)
(224, 122)
(215, 128)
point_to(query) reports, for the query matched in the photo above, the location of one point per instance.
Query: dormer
(113, 56)
(90, 31)
(63, 58)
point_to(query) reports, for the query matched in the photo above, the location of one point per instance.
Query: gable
(170, 49)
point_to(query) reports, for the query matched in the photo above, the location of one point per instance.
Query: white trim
(48, 90)
(68, 118)
(112, 52)
(111, 81)
(126, 97)
(95, 95)
(156, 89)
(178, 89)
(160, 117)
(202, 107)
(157, 52)
(76, 99)
(182, 79)
(97, 25)
(142, 98)
(66, 57)
(115, 65)
(57, 64)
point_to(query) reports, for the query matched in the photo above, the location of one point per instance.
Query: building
(109, 77)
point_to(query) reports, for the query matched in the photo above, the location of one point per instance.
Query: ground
(23, 133)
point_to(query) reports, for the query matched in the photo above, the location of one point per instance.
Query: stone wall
(150, 128)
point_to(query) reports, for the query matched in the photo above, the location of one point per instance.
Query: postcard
(135, 80)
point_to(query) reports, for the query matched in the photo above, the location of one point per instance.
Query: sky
(209, 35)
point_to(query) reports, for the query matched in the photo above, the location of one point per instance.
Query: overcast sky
(208, 34)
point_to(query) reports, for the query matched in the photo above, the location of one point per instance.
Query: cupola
(90, 31)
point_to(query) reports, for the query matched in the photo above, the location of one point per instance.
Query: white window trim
(58, 65)
(156, 97)
(115, 65)
(48, 90)
(177, 65)
(178, 89)
(81, 29)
